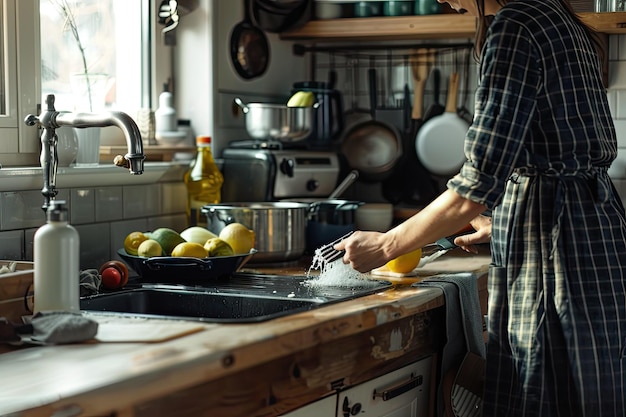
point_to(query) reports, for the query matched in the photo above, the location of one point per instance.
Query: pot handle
(241, 104)
(158, 263)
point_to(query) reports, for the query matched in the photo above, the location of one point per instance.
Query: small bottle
(56, 256)
(204, 182)
(165, 116)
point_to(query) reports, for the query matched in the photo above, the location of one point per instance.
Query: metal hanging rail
(300, 50)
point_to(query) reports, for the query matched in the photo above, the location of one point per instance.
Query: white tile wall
(617, 100)
(110, 204)
(102, 216)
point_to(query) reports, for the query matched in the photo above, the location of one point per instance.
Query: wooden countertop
(97, 378)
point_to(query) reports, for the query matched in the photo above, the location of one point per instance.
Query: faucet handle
(31, 120)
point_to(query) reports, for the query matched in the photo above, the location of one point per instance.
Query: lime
(167, 238)
(132, 242)
(405, 263)
(239, 237)
(149, 248)
(190, 249)
(218, 247)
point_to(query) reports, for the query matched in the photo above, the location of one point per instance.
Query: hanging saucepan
(372, 147)
(249, 48)
(278, 121)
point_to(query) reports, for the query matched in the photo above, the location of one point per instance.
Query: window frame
(20, 144)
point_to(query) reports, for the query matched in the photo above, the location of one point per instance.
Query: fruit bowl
(178, 270)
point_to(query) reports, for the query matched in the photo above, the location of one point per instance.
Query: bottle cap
(57, 212)
(203, 140)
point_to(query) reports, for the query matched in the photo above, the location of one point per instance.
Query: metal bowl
(279, 226)
(175, 270)
(277, 121)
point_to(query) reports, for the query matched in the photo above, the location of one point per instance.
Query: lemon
(301, 99)
(405, 263)
(132, 242)
(167, 238)
(190, 249)
(149, 248)
(218, 247)
(197, 234)
(239, 237)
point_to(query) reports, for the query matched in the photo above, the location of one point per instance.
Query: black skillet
(249, 48)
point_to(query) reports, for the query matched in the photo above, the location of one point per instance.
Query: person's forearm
(445, 216)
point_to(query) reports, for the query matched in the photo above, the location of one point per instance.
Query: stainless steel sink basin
(242, 298)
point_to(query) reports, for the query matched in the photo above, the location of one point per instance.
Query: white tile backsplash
(620, 40)
(617, 101)
(141, 200)
(103, 217)
(95, 245)
(109, 204)
(12, 245)
(173, 197)
(83, 205)
(22, 209)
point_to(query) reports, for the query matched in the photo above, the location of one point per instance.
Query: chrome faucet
(50, 119)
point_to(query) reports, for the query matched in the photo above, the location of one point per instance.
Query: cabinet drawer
(401, 393)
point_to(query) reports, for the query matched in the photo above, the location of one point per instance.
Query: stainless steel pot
(277, 121)
(279, 226)
(328, 220)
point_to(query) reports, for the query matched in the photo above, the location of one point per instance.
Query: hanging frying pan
(249, 48)
(372, 147)
(439, 143)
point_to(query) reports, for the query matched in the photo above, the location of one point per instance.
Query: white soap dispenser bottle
(56, 256)
(165, 116)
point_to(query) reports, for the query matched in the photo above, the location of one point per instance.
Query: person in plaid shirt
(538, 151)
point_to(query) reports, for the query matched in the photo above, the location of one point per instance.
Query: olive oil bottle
(204, 182)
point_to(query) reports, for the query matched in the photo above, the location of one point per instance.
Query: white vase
(88, 146)
(67, 146)
(89, 91)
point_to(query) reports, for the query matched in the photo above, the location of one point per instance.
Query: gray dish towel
(464, 329)
(57, 327)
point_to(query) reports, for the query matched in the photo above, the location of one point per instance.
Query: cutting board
(137, 330)
(443, 265)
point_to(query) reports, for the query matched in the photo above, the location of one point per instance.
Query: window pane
(3, 93)
(94, 40)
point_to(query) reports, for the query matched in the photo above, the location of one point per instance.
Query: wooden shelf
(443, 26)
(152, 152)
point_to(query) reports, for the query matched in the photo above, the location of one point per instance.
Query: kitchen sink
(240, 299)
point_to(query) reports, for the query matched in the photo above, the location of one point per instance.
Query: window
(91, 54)
(34, 39)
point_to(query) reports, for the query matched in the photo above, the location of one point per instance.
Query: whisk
(327, 254)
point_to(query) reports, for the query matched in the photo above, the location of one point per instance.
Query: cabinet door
(321, 408)
(401, 393)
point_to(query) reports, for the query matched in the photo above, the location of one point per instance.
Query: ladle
(343, 186)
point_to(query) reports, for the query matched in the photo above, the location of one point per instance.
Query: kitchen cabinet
(401, 393)
(326, 407)
(404, 392)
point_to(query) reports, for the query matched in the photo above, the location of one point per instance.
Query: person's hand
(364, 250)
(482, 225)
